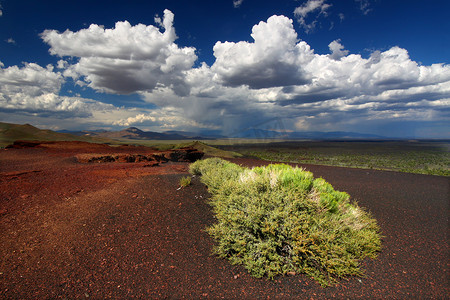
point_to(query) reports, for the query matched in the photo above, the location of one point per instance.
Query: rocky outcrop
(119, 157)
(23, 144)
(187, 154)
(101, 153)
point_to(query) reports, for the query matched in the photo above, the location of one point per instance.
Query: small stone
(291, 273)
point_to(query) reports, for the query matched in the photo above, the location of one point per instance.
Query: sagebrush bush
(279, 219)
(215, 172)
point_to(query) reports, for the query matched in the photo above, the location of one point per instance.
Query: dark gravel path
(141, 237)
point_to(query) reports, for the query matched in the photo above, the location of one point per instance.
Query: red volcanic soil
(126, 230)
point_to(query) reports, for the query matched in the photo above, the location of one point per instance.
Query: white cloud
(11, 41)
(237, 3)
(249, 83)
(62, 64)
(337, 50)
(31, 93)
(277, 75)
(31, 79)
(33, 89)
(145, 56)
(51, 104)
(162, 119)
(274, 59)
(306, 9)
(277, 59)
(140, 118)
(344, 88)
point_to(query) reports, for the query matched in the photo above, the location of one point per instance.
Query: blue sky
(370, 66)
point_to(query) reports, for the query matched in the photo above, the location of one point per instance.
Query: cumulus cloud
(145, 56)
(337, 50)
(34, 89)
(277, 75)
(31, 93)
(11, 41)
(277, 59)
(140, 118)
(273, 59)
(162, 119)
(311, 6)
(353, 76)
(249, 83)
(31, 79)
(51, 105)
(342, 88)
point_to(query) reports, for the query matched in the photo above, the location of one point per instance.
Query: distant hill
(132, 133)
(12, 132)
(193, 135)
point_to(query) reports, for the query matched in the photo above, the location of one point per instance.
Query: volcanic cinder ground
(73, 229)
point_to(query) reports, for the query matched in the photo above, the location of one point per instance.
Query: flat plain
(412, 156)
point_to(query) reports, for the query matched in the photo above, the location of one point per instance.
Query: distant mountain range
(134, 133)
(12, 132)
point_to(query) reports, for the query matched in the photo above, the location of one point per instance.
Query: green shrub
(185, 181)
(215, 172)
(278, 219)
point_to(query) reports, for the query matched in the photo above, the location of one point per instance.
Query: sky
(368, 66)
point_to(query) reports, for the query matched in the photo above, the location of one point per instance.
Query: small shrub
(185, 181)
(278, 219)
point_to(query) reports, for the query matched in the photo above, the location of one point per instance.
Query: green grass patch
(164, 145)
(185, 181)
(208, 150)
(432, 158)
(277, 219)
